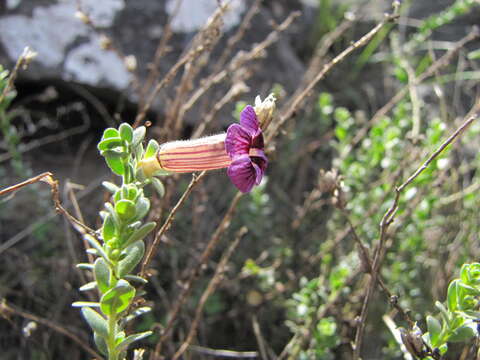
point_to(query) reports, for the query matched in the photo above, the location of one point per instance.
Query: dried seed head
(130, 63)
(413, 341)
(264, 110)
(105, 42)
(27, 56)
(83, 17)
(328, 181)
(339, 199)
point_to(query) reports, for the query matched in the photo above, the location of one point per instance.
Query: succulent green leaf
(138, 135)
(101, 343)
(108, 229)
(138, 312)
(96, 321)
(141, 232)
(109, 144)
(461, 334)
(452, 299)
(125, 209)
(136, 278)
(142, 207)
(118, 299)
(434, 330)
(110, 186)
(84, 266)
(158, 185)
(152, 149)
(102, 275)
(135, 254)
(110, 133)
(98, 250)
(86, 304)
(132, 338)
(88, 286)
(126, 132)
(115, 162)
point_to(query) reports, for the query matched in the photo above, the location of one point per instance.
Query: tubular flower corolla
(240, 150)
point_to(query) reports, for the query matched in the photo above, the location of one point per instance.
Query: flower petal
(243, 173)
(238, 141)
(249, 121)
(261, 160)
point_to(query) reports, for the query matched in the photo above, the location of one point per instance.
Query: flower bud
(264, 110)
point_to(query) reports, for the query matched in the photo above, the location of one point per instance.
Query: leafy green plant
(459, 315)
(119, 247)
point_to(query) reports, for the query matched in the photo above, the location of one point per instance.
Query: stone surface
(69, 50)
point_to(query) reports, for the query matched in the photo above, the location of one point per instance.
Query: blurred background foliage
(297, 274)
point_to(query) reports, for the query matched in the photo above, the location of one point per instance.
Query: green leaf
(102, 275)
(138, 135)
(152, 149)
(96, 246)
(96, 321)
(101, 344)
(142, 207)
(116, 300)
(126, 132)
(463, 333)
(108, 229)
(141, 232)
(158, 185)
(85, 304)
(136, 278)
(110, 186)
(88, 286)
(110, 133)
(109, 144)
(115, 162)
(84, 266)
(452, 299)
(138, 312)
(434, 330)
(135, 254)
(125, 209)
(132, 338)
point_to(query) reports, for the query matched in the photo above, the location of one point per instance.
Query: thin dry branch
(6, 309)
(211, 287)
(295, 104)
(241, 59)
(168, 222)
(443, 61)
(196, 272)
(387, 219)
(48, 178)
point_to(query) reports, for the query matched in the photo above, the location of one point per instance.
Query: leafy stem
(122, 234)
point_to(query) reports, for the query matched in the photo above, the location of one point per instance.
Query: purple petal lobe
(258, 173)
(243, 173)
(249, 121)
(260, 159)
(237, 141)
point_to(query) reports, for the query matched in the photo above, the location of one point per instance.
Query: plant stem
(112, 327)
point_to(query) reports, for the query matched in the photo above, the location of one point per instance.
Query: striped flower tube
(240, 150)
(194, 155)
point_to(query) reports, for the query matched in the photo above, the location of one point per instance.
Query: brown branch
(168, 222)
(387, 219)
(443, 61)
(212, 286)
(196, 272)
(240, 60)
(6, 308)
(48, 178)
(307, 91)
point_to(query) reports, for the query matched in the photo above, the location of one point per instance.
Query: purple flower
(244, 145)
